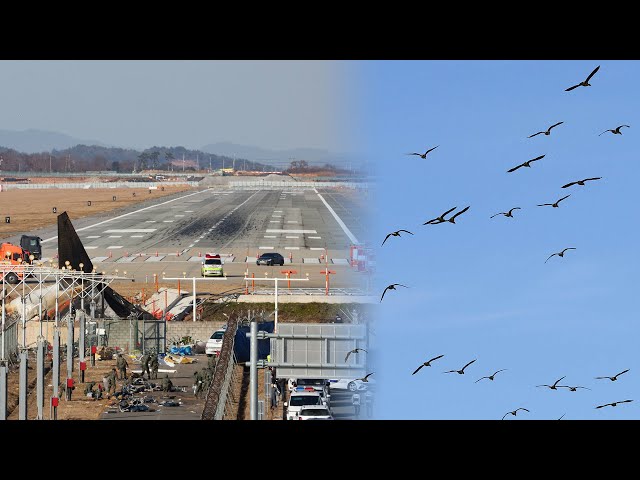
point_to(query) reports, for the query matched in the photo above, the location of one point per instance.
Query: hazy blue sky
(270, 104)
(480, 289)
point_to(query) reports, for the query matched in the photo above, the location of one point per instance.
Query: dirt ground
(239, 391)
(79, 408)
(32, 209)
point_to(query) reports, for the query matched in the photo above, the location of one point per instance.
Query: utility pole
(50, 171)
(209, 163)
(253, 372)
(183, 162)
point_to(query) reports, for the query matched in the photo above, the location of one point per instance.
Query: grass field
(32, 209)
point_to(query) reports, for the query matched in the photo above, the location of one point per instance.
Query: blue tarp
(242, 343)
(180, 350)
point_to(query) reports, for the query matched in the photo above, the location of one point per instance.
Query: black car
(270, 259)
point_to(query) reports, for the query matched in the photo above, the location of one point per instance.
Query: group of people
(204, 377)
(368, 400)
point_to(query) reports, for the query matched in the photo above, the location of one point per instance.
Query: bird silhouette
(355, 350)
(560, 254)
(613, 404)
(525, 164)
(562, 416)
(572, 389)
(427, 364)
(453, 219)
(554, 386)
(461, 371)
(365, 378)
(507, 214)
(581, 182)
(615, 131)
(490, 377)
(586, 82)
(554, 205)
(440, 219)
(424, 155)
(615, 377)
(515, 412)
(395, 234)
(392, 287)
(546, 132)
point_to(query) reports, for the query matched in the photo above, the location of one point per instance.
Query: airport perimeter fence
(266, 185)
(42, 186)
(214, 407)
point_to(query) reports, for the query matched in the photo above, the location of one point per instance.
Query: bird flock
(555, 386)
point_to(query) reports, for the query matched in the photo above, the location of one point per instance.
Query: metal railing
(285, 185)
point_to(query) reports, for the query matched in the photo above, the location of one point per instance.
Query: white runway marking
(292, 221)
(131, 230)
(292, 248)
(137, 236)
(97, 259)
(280, 230)
(150, 221)
(167, 221)
(351, 236)
(316, 248)
(274, 221)
(270, 236)
(316, 238)
(192, 245)
(264, 248)
(90, 248)
(155, 259)
(127, 214)
(113, 247)
(93, 236)
(178, 215)
(115, 236)
(188, 211)
(292, 236)
(277, 211)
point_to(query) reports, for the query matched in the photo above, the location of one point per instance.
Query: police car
(212, 266)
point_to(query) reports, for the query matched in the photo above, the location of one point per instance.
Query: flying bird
(440, 219)
(461, 371)
(427, 364)
(490, 377)
(546, 132)
(560, 254)
(554, 205)
(507, 214)
(615, 131)
(392, 287)
(365, 378)
(615, 377)
(554, 386)
(424, 155)
(586, 82)
(355, 350)
(453, 219)
(572, 389)
(395, 234)
(562, 416)
(525, 164)
(515, 412)
(613, 404)
(581, 182)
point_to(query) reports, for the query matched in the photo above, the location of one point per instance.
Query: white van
(298, 400)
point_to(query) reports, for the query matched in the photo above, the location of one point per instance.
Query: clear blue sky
(480, 288)
(139, 104)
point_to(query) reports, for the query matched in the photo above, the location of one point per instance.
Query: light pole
(195, 279)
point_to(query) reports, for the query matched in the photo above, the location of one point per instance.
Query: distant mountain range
(36, 141)
(314, 156)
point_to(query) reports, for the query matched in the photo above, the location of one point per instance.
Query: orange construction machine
(12, 260)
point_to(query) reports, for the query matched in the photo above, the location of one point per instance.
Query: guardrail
(39, 186)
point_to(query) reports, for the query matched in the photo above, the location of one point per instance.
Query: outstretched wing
(499, 371)
(367, 376)
(514, 208)
(539, 133)
(460, 212)
(347, 357)
(450, 371)
(501, 213)
(522, 409)
(399, 284)
(569, 248)
(606, 131)
(414, 153)
(592, 74)
(418, 369)
(569, 184)
(555, 125)
(593, 178)
(385, 291)
(550, 257)
(406, 231)
(625, 371)
(605, 405)
(506, 415)
(385, 239)
(571, 88)
(626, 401)
(515, 168)
(601, 378)
(545, 204)
(468, 364)
(563, 198)
(556, 382)
(435, 358)
(448, 212)
(431, 150)
(480, 379)
(361, 350)
(537, 158)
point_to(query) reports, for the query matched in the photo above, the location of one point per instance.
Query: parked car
(350, 384)
(214, 344)
(315, 412)
(298, 400)
(271, 258)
